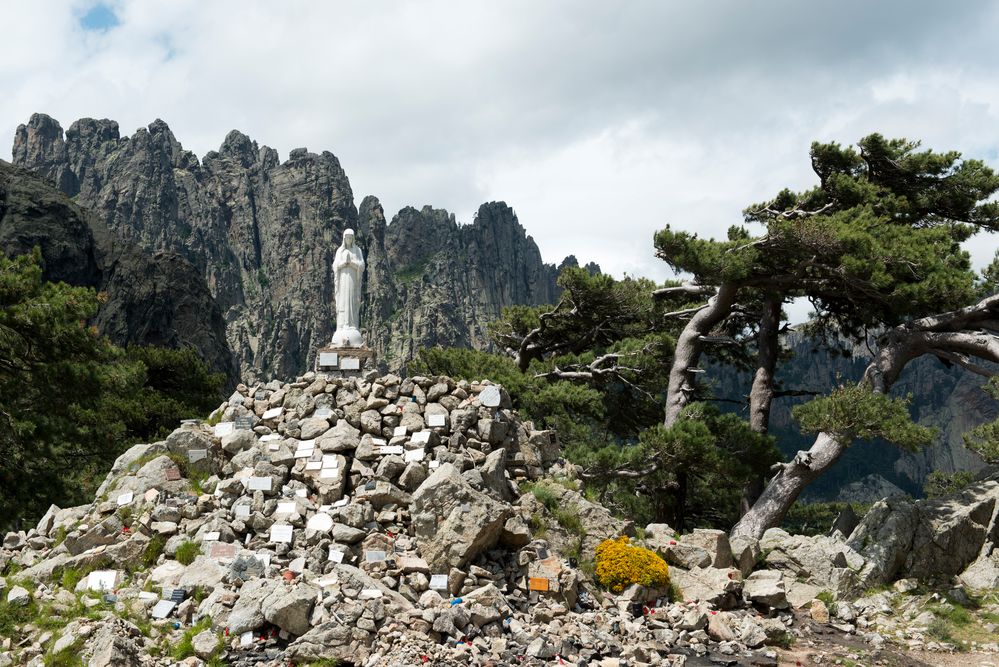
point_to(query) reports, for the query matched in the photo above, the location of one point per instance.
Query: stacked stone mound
(376, 521)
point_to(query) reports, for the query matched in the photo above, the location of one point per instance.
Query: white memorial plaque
(328, 359)
(264, 558)
(163, 608)
(342, 502)
(246, 639)
(436, 420)
(399, 432)
(369, 594)
(435, 464)
(329, 473)
(336, 555)
(314, 465)
(323, 413)
(224, 429)
(301, 493)
(378, 442)
(102, 580)
(331, 461)
(438, 582)
(320, 523)
(259, 483)
(273, 447)
(305, 453)
(281, 532)
(241, 511)
(490, 396)
(374, 556)
(423, 437)
(212, 536)
(286, 507)
(415, 455)
(310, 444)
(270, 437)
(195, 455)
(350, 364)
(273, 413)
(148, 595)
(390, 449)
(327, 581)
(125, 498)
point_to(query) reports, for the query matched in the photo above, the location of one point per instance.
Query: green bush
(187, 552)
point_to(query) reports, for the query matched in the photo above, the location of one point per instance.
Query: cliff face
(152, 299)
(263, 234)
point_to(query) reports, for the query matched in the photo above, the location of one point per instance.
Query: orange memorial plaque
(537, 584)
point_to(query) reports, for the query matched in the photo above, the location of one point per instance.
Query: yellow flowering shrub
(619, 565)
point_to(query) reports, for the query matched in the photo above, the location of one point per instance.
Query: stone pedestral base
(345, 361)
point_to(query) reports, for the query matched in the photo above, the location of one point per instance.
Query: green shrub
(187, 552)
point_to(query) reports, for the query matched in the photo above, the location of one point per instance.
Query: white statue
(348, 270)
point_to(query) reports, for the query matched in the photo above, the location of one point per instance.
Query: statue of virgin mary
(348, 271)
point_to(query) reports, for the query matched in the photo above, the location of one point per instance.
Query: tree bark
(761, 394)
(963, 333)
(689, 346)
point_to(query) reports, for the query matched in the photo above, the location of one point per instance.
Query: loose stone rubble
(384, 521)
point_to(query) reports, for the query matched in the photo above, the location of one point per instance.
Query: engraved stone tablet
(331, 461)
(264, 558)
(301, 493)
(399, 432)
(222, 550)
(329, 359)
(390, 449)
(172, 474)
(125, 498)
(350, 364)
(241, 511)
(323, 413)
(273, 447)
(163, 608)
(435, 464)
(281, 532)
(286, 507)
(490, 396)
(438, 582)
(320, 523)
(314, 465)
(537, 584)
(223, 429)
(270, 437)
(436, 420)
(423, 437)
(211, 536)
(273, 413)
(336, 555)
(244, 423)
(195, 455)
(329, 473)
(259, 483)
(374, 556)
(415, 455)
(305, 453)
(246, 639)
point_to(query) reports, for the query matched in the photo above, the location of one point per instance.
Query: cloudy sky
(599, 122)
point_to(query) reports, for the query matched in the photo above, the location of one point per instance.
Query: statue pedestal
(345, 361)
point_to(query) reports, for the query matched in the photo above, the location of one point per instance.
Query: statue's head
(348, 238)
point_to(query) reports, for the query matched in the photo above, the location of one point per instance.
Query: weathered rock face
(263, 234)
(152, 298)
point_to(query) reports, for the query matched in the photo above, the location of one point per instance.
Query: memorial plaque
(307, 444)
(435, 464)
(172, 474)
(314, 465)
(378, 442)
(329, 473)
(438, 582)
(370, 594)
(336, 555)
(399, 432)
(273, 447)
(125, 498)
(273, 413)
(211, 536)
(286, 507)
(246, 639)
(163, 609)
(301, 493)
(415, 455)
(178, 595)
(264, 558)
(343, 502)
(331, 461)
(223, 429)
(148, 596)
(270, 437)
(490, 397)
(329, 359)
(370, 486)
(327, 581)
(323, 413)
(374, 556)
(244, 423)
(195, 455)
(436, 420)
(390, 449)
(102, 580)
(305, 453)
(421, 438)
(537, 584)
(542, 553)
(281, 533)
(241, 511)
(350, 364)
(466, 508)
(320, 523)
(259, 483)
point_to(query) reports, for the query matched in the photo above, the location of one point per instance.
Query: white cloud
(598, 122)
